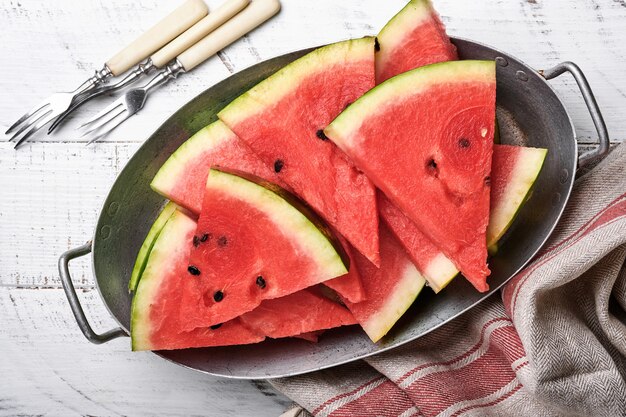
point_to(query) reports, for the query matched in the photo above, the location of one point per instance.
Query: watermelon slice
(251, 245)
(148, 243)
(183, 176)
(440, 120)
(182, 179)
(282, 119)
(156, 320)
(390, 290)
(411, 39)
(286, 316)
(514, 170)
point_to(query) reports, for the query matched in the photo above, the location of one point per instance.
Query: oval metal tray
(529, 114)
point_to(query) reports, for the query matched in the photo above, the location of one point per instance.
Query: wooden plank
(51, 203)
(540, 32)
(49, 368)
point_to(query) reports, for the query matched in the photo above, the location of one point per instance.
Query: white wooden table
(52, 188)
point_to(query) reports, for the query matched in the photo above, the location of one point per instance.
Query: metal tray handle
(592, 106)
(77, 309)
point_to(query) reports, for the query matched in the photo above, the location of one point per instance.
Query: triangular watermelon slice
(412, 38)
(156, 319)
(182, 179)
(440, 120)
(252, 245)
(155, 314)
(514, 170)
(183, 176)
(390, 290)
(282, 119)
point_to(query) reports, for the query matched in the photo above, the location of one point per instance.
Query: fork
(133, 100)
(163, 56)
(164, 31)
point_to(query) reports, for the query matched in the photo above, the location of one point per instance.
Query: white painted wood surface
(53, 187)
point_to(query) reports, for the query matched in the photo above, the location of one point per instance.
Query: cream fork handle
(158, 35)
(257, 12)
(198, 31)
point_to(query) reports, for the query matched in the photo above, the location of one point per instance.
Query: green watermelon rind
(526, 172)
(170, 239)
(294, 224)
(403, 86)
(207, 138)
(148, 243)
(400, 299)
(279, 84)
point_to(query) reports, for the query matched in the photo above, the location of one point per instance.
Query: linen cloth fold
(552, 343)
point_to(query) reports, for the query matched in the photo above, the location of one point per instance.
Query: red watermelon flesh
(250, 245)
(514, 169)
(390, 290)
(156, 322)
(182, 179)
(440, 120)
(413, 38)
(286, 316)
(282, 119)
(430, 261)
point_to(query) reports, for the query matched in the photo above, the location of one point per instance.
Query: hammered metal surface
(529, 113)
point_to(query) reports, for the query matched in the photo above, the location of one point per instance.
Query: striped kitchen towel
(553, 343)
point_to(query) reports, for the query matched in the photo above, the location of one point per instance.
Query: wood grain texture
(49, 368)
(53, 188)
(56, 45)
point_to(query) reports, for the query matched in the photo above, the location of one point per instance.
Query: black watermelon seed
(196, 241)
(216, 326)
(205, 237)
(488, 181)
(193, 270)
(260, 281)
(218, 296)
(376, 45)
(431, 168)
(278, 165)
(464, 143)
(320, 134)
(222, 241)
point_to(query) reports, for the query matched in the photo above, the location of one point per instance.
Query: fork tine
(32, 111)
(32, 121)
(79, 101)
(106, 129)
(35, 127)
(97, 124)
(108, 109)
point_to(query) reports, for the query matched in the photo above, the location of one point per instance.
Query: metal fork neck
(99, 77)
(142, 69)
(168, 73)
